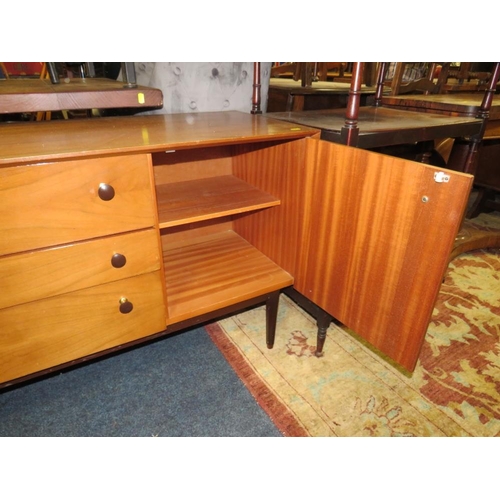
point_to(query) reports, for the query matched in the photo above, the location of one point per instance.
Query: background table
(290, 95)
(461, 104)
(35, 95)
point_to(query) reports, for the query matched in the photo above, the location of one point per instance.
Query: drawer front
(46, 333)
(55, 203)
(30, 276)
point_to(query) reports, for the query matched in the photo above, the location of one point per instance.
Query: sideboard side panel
(279, 170)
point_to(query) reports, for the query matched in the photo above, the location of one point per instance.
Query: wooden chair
(21, 70)
(439, 77)
(87, 70)
(430, 83)
(469, 77)
(308, 72)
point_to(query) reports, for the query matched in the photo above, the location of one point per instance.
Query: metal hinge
(441, 177)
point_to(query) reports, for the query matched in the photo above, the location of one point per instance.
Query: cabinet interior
(207, 264)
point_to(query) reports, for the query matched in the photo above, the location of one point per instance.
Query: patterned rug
(352, 391)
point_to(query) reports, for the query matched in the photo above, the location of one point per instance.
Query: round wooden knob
(106, 192)
(118, 260)
(125, 305)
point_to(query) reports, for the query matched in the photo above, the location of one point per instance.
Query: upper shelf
(24, 95)
(197, 200)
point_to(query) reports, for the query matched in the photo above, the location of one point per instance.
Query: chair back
(415, 78)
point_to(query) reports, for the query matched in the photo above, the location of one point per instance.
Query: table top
(32, 142)
(23, 95)
(455, 104)
(379, 126)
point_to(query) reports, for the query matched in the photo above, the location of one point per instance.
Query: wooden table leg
(272, 303)
(323, 321)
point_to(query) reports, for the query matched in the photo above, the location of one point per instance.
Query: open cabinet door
(377, 236)
(366, 236)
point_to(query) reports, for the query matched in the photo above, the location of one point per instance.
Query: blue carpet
(178, 386)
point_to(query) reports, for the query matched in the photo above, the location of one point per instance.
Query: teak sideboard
(117, 230)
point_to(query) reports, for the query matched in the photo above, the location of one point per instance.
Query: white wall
(206, 86)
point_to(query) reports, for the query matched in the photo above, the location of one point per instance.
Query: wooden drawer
(55, 203)
(42, 334)
(30, 276)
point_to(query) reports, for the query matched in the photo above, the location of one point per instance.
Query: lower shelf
(215, 271)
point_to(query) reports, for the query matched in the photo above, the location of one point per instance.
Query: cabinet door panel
(378, 232)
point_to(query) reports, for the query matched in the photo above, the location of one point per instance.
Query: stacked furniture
(406, 132)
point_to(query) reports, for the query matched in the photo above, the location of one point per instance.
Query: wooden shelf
(201, 199)
(212, 272)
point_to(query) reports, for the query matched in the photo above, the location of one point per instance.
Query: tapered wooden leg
(323, 321)
(271, 317)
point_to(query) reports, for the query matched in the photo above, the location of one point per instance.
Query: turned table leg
(323, 320)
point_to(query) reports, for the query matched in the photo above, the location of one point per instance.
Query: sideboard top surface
(30, 142)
